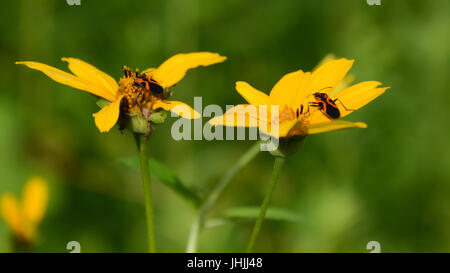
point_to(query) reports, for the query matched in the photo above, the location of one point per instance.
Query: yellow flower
(23, 219)
(293, 94)
(128, 96)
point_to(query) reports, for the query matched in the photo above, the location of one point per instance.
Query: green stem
(196, 226)
(199, 218)
(21, 246)
(279, 162)
(145, 174)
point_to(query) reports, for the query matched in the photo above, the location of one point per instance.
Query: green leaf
(158, 117)
(166, 176)
(102, 103)
(240, 214)
(276, 214)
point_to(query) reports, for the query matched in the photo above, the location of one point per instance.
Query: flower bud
(137, 124)
(158, 117)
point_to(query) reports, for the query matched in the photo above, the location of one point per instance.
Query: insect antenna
(323, 89)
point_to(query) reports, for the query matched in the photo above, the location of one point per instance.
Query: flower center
(137, 95)
(286, 113)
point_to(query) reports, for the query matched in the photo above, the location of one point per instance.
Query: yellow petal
(316, 116)
(107, 117)
(344, 83)
(333, 126)
(285, 90)
(11, 213)
(177, 107)
(358, 95)
(242, 115)
(173, 70)
(35, 199)
(93, 75)
(252, 95)
(291, 90)
(69, 79)
(149, 70)
(292, 127)
(329, 75)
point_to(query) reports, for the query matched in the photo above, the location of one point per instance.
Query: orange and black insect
(148, 84)
(326, 105)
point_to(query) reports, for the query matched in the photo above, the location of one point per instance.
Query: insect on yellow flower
(302, 98)
(136, 93)
(23, 218)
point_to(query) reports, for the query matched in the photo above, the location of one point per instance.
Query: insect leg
(312, 104)
(343, 105)
(138, 95)
(140, 92)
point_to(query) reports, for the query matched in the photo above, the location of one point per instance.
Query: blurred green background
(389, 183)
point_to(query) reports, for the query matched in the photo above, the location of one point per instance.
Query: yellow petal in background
(325, 59)
(107, 117)
(69, 79)
(35, 199)
(91, 74)
(252, 95)
(333, 126)
(173, 70)
(177, 107)
(329, 75)
(11, 213)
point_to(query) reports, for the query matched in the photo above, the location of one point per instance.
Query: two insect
(325, 104)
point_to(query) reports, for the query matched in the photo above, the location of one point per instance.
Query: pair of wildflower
(139, 99)
(291, 93)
